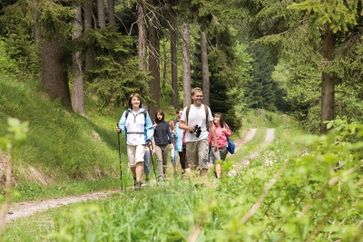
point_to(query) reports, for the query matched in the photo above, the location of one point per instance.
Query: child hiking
(137, 125)
(179, 141)
(219, 142)
(163, 139)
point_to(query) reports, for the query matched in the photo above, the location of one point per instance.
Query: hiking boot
(138, 186)
(203, 172)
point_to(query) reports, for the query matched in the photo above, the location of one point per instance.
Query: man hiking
(197, 121)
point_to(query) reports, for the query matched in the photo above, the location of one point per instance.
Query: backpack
(206, 114)
(231, 146)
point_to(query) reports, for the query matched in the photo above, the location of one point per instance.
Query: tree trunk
(174, 62)
(328, 82)
(111, 12)
(186, 66)
(142, 35)
(77, 94)
(88, 58)
(54, 74)
(163, 85)
(101, 14)
(154, 67)
(36, 26)
(205, 68)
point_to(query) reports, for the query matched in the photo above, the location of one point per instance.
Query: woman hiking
(219, 149)
(137, 125)
(163, 138)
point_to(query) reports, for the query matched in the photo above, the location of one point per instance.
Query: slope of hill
(61, 146)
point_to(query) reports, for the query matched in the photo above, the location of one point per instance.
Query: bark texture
(186, 66)
(54, 75)
(205, 68)
(328, 81)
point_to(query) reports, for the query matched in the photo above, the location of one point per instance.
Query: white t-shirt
(196, 117)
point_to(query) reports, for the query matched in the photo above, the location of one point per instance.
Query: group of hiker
(199, 138)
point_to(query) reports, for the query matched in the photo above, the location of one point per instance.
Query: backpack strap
(145, 115)
(206, 116)
(187, 113)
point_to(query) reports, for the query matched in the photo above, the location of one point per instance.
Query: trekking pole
(120, 160)
(174, 155)
(174, 160)
(152, 162)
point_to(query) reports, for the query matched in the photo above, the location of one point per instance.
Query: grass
(288, 210)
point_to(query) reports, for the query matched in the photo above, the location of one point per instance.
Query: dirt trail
(24, 209)
(269, 137)
(249, 135)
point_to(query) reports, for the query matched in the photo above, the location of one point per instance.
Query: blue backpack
(231, 146)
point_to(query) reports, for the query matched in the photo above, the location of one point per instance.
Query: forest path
(25, 209)
(248, 136)
(269, 138)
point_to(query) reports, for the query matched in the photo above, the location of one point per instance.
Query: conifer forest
(250, 125)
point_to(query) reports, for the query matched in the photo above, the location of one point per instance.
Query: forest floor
(24, 209)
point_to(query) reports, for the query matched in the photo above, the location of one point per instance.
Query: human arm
(183, 125)
(149, 129)
(121, 126)
(226, 130)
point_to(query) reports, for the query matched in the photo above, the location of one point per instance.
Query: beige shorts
(135, 154)
(197, 154)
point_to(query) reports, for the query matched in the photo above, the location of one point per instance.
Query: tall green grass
(308, 200)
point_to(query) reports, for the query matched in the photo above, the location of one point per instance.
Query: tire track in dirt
(25, 209)
(249, 135)
(269, 138)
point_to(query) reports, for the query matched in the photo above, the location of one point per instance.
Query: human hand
(191, 129)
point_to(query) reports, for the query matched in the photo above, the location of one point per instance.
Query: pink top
(221, 136)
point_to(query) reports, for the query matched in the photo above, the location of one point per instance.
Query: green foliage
(16, 134)
(6, 64)
(16, 32)
(116, 73)
(55, 19)
(339, 14)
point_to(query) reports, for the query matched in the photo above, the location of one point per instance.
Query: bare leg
(139, 170)
(218, 170)
(133, 170)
